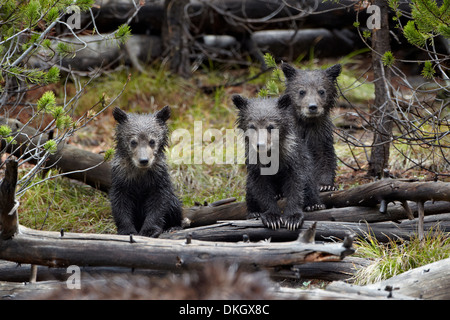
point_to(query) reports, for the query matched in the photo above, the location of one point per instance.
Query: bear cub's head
(313, 92)
(141, 138)
(265, 123)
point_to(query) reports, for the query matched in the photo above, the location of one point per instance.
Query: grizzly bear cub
(142, 197)
(313, 94)
(272, 143)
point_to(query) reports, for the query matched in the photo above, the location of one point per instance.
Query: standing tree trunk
(382, 113)
(9, 223)
(174, 36)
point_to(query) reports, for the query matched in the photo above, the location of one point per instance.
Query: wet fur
(292, 179)
(313, 94)
(142, 197)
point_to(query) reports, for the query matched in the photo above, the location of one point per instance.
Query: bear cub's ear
(284, 102)
(163, 114)
(334, 71)
(119, 115)
(289, 71)
(239, 101)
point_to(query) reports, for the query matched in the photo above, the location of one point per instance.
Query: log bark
(14, 272)
(206, 215)
(52, 249)
(381, 117)
(9, 221)
(327, 271)
(174, 37)
(389, 190)
(95, 52)
(431, 282)
(326, 230)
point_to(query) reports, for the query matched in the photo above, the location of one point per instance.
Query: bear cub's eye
(152, 143)
(133, 143)
(302, 93)
(321, 92)
(270, 127)
(251, 126)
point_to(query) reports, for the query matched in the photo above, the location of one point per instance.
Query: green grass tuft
(397, 256)
(60, 203)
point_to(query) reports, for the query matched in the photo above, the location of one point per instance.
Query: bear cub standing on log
(142, 198)
(313, 94)
(269, 126)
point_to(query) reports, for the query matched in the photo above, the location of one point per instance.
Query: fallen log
(327, 271)
(94, 52)
(205, 215)
(224, 16)
(388, 190)
(325, 230)
(431, 281)
(357, 203)
(56, 250)
(345, 294)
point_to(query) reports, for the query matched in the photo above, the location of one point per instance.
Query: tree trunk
(9, 222)
(381, 116)
(174, 37)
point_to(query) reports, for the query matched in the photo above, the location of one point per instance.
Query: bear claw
(327, 188)
(272, 221)
(293, 222)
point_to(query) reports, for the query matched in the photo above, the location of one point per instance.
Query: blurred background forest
(66, 63)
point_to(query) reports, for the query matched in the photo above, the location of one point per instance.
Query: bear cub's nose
(312, 108)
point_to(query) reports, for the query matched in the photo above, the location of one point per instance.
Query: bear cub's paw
(271, 220)
(253, 215)
(293, 221)
(152, 232)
